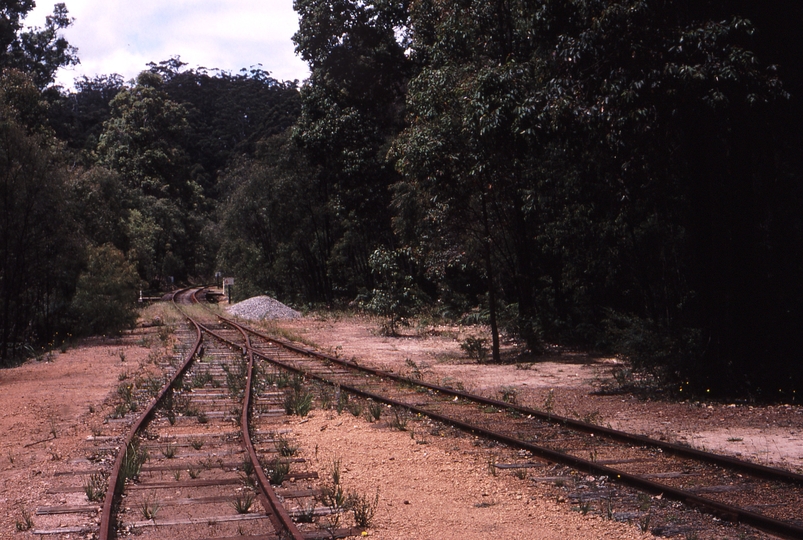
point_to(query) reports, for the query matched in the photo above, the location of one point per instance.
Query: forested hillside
(620, 176)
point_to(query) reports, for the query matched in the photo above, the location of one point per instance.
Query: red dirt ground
(429, 487)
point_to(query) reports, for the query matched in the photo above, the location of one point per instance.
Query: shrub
(106, 293)
(396, 296)
(475, 348)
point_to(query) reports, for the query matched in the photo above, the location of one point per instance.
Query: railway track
(216, 468)
(763, 498)
(208, 458)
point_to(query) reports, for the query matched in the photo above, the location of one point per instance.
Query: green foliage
(352, 106)
(332, 492)
(375, 411)
(277, 471)
(133, 458)
(106, 292)
(228, 114)
(476, 348)
(101, 205)
(242, 504)
(143, 142)
(597, 157)
(38, 263)
(276, 225)
(39, 52)
(78, 117)
(401, 417)
(149, 507)
(285, 447)
(298, 401)
(396, 296)
(622, 176)
(95, 487)
(363, 506)
(23, 101)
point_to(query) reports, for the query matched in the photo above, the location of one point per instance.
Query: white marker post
(227, 283)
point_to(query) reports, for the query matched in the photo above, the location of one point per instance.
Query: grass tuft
(363, 506)
(277, 471)
(375, 410)
(169, 450)
(95, 487)
(149, 508)
(298, 402)
(242, 504)
(400, 419)
(285, 447)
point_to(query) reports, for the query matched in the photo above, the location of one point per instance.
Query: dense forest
(622, 176)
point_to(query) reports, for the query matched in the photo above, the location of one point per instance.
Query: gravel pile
(262, 307)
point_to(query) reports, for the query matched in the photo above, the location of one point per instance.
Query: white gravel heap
(262, 307)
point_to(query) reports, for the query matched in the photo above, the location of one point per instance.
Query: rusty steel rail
(721, 510)
(114, 489)
(279, 517)
(278, 514)
(638, 440)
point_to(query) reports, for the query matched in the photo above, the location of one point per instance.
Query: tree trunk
(491, 292)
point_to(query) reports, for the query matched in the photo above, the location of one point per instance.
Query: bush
(396, 296)
(475, 348)
(106, 293)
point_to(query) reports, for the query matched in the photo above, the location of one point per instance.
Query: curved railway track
(213, 452)
(762, 497)
(208, 457)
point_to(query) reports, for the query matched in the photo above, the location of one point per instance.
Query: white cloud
(119, 36)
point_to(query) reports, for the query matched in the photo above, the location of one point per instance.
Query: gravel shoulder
(440, 487)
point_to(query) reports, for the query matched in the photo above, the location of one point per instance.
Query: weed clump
(277, 471)
(298, 401)
(133, 459)
(242, 504)
(400, 418)
(285, 447)
(95, 487)
(363, 507)
(26, 524)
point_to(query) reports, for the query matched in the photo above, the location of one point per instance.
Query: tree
(227, 113)
(352, 107)
(39, 52)
(78, 117)
(144, 142)
(396, 295)
(101, 204)
(610, 155)
(106, 292)
(276, 225)
(37, 244)
(463, 149)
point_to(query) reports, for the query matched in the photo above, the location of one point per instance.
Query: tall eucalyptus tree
(352, 107)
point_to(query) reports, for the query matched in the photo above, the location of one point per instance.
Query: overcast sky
(121, 36)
